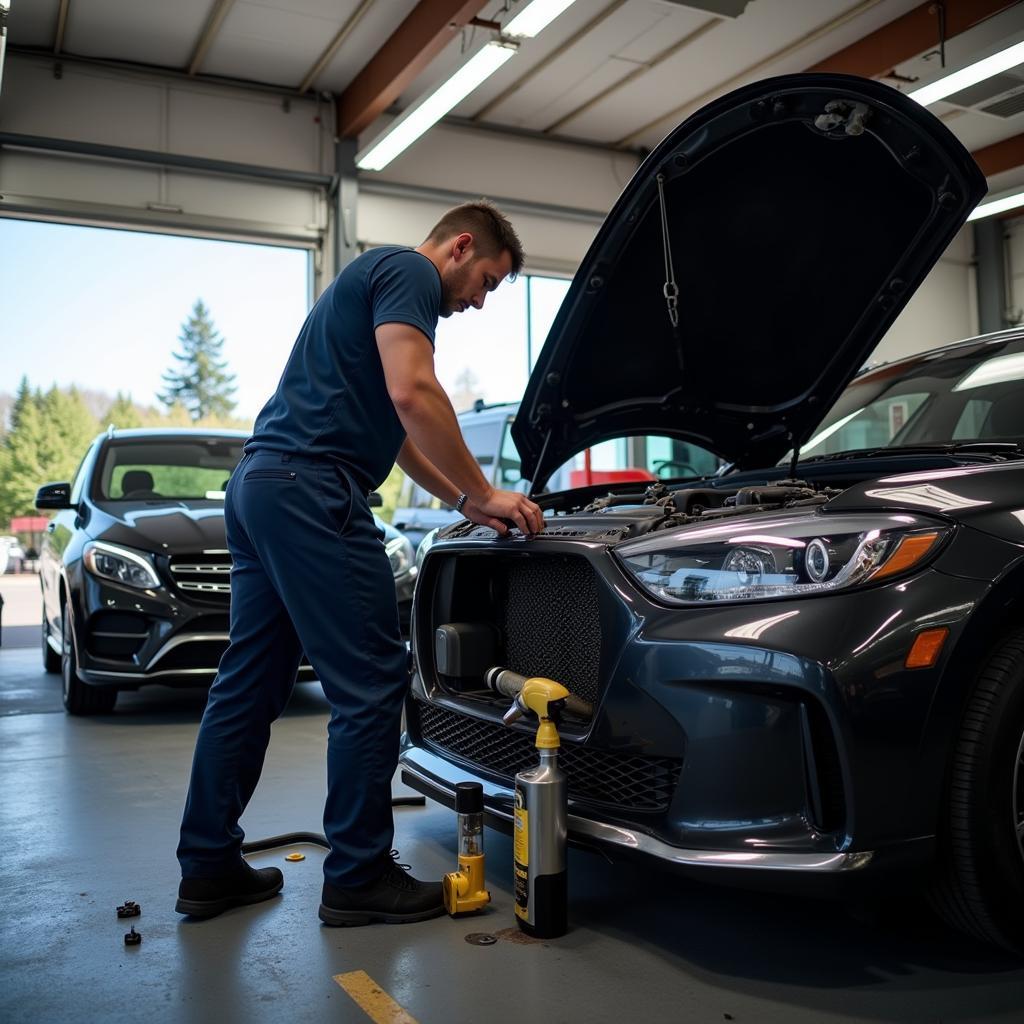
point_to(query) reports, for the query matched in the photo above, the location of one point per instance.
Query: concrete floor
(89, 813)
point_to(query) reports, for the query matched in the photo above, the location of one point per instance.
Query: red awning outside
(29, 524)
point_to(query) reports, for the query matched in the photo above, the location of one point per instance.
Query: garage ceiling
(619, 73)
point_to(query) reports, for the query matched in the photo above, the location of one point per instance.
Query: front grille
(629, 782)
(551, 622)
(206, 576)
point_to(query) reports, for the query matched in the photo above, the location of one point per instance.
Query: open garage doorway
(102, 326)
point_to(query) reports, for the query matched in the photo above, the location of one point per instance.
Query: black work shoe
(394, 898)
(207, 897)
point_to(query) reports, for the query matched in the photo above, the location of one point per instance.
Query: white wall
(136, 110)
(1014, 256)
(116, 108)
(944, 308)
(142, 111)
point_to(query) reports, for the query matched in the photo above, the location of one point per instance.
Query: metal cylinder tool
(541, 805)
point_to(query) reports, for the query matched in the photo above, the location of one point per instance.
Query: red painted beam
(1000, 156)
(908, 36)
(429, 27)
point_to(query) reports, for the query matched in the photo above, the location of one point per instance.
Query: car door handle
(50, 527)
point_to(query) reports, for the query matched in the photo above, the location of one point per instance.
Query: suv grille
(552, 624)
(629, 782)
(206, 575)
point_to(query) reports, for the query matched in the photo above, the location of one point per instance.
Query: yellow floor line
(373, 1000)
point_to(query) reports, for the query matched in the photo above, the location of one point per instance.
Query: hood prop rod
(670, 289)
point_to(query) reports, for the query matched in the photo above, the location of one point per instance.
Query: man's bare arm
(430, 422)
(415, 464)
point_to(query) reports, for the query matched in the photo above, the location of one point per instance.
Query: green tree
(49, 436)
(23, 398)
(200, 380)
(123, 412)
(23, 465)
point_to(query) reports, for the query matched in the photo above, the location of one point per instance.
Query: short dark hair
(491, 230)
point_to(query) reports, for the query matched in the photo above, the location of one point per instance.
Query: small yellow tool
(464, 889)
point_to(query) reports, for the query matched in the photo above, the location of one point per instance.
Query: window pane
(546, 295)
(482, 353)
(972, 419)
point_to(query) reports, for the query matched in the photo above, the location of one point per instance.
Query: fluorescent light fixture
(535, 17)
(429, 110)
(971, 75)
(994, 206)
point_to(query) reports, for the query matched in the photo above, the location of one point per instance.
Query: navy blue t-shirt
(332, 399)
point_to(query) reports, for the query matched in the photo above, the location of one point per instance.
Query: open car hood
(802, 214)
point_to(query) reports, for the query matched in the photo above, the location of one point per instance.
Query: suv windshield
(175, 469)
(974, 393)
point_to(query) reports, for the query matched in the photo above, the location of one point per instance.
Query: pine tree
(200, 380)
(23, 465)
(21, 400)
(49, 435)
(123, 412)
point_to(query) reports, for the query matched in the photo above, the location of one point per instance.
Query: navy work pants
(309, 574)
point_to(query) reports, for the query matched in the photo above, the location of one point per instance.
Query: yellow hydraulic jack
(464, 889)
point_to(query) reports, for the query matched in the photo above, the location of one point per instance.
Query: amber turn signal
(910, 549)
(926, 648)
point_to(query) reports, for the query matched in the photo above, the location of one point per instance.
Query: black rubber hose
(317, 838)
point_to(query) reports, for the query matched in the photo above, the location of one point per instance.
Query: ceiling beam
(62, 24)
(915, 32)
(430, 26)
(547, 61)
(334, 45)
(213, 23)
(1000, 156)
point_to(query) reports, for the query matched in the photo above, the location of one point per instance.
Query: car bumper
(128, 638)
(782, 735)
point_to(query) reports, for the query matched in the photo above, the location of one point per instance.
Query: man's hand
(506, 505)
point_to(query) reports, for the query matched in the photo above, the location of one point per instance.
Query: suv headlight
(400, 554)
(757, 559)
(119, 564)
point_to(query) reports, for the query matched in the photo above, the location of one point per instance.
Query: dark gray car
(808, 669)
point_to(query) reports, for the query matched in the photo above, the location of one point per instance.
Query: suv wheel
(79, 698)
(51, 659)
(979, 887)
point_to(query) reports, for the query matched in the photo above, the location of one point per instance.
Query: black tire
(51, 659)
(79, 698)
(979, 884)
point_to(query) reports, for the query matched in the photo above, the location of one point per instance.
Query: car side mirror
(376, 501)
(54, 496)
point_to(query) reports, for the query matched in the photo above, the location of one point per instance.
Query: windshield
(974, 393)
(175, 469)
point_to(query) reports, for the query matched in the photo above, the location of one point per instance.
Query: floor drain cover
(481, 939)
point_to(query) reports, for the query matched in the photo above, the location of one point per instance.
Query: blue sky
(103, 309)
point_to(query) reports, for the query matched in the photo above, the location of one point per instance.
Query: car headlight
(757, 559)
(119, 564)
(400, 554)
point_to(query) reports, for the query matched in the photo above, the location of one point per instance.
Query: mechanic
(310, 573)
